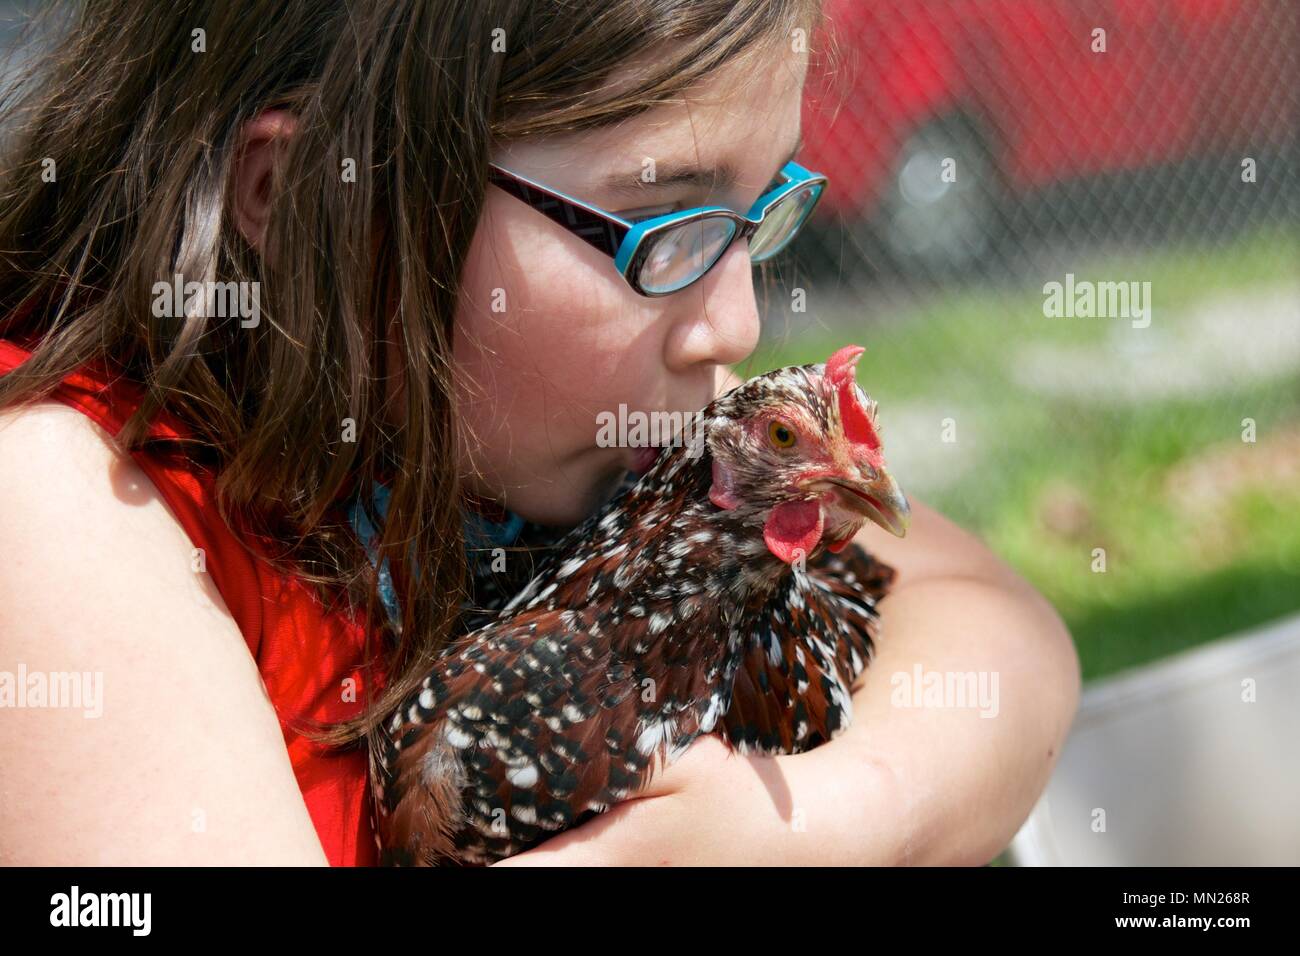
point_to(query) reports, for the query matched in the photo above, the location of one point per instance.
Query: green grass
(1176, 575)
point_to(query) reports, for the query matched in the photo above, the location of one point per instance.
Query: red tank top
(304, 654)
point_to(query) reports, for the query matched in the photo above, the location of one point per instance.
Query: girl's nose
(719, 323)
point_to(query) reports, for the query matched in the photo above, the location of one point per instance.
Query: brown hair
(144, 129)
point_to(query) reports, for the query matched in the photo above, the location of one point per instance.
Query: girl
(181, 472)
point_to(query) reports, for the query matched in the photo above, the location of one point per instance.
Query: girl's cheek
(544, 349)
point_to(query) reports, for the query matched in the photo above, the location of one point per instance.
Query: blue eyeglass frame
(628, 243)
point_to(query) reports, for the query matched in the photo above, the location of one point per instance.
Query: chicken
(691, 604)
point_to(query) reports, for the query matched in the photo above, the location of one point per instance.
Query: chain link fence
(1067, 233)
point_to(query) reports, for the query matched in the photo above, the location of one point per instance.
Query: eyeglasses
(665, 254)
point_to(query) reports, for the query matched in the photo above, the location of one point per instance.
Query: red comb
(840, 374)
(839, 366)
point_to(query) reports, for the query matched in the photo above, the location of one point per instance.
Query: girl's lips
(643, 459)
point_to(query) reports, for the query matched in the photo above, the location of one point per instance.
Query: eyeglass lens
(681, 255)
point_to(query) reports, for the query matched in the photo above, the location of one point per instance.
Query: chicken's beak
(878, 498)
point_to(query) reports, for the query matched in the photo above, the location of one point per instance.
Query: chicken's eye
(780, 434)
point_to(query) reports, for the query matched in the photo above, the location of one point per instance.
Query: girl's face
(549, 335)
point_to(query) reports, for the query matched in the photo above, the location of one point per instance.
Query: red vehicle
(1022, 95)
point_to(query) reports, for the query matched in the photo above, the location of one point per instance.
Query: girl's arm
(175, 756)
(969, 775)
(923, 785)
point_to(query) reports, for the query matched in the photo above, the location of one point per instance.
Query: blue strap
(481, 534)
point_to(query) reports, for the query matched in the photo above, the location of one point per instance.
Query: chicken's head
(798, 451)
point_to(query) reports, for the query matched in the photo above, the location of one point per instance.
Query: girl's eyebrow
(673, 174)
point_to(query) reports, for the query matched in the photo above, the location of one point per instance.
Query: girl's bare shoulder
(98, 591)
(70, 488)
(47, 439)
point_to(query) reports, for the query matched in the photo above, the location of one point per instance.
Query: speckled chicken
(720, 593)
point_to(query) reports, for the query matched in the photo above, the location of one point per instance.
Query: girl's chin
(610, 480)
(568, 502)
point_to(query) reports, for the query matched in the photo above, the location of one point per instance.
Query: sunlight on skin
(573, 339)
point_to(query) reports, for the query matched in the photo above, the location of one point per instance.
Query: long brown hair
(143, 126)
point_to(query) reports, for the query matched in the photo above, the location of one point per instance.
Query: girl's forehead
(735, 122)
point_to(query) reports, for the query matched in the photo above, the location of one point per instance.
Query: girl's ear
(262, 143)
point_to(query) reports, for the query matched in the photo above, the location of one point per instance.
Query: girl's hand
(714, 807)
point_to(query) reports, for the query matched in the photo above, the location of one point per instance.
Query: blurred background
(1170, 159)
(1141, 469)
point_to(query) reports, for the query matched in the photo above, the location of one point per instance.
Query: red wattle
(835, 547)
(793, 529)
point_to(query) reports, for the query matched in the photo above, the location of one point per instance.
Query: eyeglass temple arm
(593, 227)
